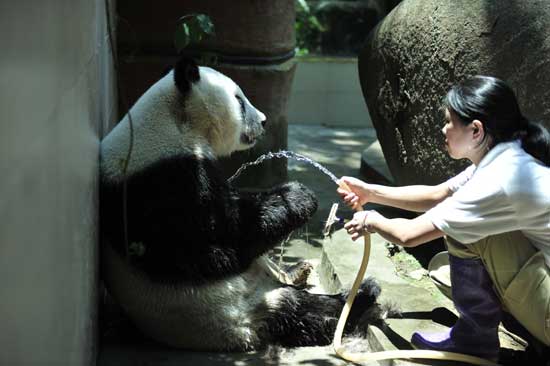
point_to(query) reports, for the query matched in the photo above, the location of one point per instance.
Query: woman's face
(458, 137)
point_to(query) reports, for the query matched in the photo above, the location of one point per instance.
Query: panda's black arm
(267, 218)
(193, 223)
(181, 213)
(193, 194)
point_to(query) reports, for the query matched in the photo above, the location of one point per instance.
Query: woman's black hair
(494, 104)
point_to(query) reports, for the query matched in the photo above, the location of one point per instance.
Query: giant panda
(193, 274)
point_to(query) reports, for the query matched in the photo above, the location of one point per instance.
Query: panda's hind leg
(297, 318)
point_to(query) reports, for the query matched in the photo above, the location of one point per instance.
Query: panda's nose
(263, 119)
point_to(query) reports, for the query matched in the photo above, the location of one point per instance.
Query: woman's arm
(418, 198)
(403, 232)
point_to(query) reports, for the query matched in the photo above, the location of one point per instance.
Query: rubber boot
(480, 311)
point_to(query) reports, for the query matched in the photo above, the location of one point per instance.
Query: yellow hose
(386, 355)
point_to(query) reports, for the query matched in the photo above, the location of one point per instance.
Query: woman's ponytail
(535, 139)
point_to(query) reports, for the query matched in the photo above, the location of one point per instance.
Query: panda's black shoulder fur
(170, 206)
(193, 226)
(186, 72)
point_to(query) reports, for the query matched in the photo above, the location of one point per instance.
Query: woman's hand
(359, 193)
(362, 221)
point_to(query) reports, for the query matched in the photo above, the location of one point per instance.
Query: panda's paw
(366, 310)
(300, 200)
(298, 273)
(285, 208)
(368, 292)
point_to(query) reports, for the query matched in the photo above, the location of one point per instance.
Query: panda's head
(215, 107)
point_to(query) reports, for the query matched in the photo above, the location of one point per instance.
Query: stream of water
(287, 155)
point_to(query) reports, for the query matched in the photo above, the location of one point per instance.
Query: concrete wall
(56, 98)
(327, 91)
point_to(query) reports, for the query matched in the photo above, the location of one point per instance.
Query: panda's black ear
(186, 72)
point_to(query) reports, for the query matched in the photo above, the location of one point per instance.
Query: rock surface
(423, 47)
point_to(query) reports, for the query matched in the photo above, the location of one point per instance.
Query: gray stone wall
(56, 99)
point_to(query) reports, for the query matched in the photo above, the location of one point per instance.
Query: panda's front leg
(267, 218)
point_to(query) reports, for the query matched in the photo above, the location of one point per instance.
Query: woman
(495, 217)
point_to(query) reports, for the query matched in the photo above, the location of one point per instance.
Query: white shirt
(509, 190)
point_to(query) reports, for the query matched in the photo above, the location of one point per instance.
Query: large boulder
(423, 47)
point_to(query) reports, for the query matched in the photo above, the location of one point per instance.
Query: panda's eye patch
(241, 102)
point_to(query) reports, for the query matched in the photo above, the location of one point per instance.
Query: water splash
(287, 155)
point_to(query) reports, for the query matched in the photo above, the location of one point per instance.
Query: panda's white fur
(209, 126)
(202, 281)
(220, 315)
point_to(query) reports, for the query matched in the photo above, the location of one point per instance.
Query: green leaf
(301, 52)
(315, 22)
(182, 37)
(303, 5)
(205, 24)
(137, 249)
(192, 28)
